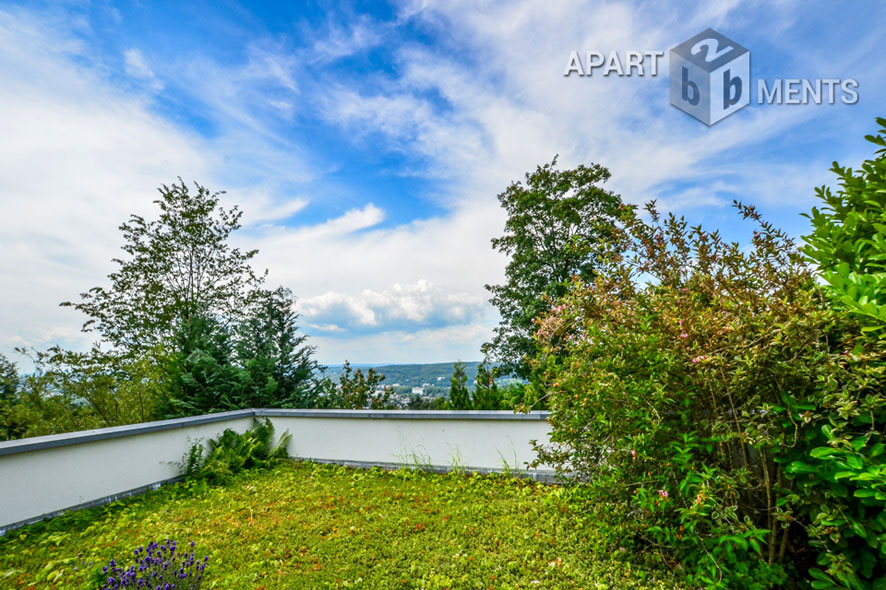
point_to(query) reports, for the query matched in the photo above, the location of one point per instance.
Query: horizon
(366, 143)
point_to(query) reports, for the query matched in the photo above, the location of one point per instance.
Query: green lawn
(317, 526)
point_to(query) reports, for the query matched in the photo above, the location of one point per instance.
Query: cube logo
(710, 76)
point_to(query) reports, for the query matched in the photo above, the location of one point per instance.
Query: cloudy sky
(366, 143)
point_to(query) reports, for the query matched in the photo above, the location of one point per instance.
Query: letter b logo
(731, 90)
(690, 89)
(710, 76)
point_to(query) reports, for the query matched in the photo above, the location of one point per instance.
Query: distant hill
(414, 375)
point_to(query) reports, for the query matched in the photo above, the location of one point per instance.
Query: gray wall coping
(407, 414)
(37, 443)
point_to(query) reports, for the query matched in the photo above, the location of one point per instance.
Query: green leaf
(820, 575)
(822, 452)
(858, 529)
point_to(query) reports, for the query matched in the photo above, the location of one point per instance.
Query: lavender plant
(157, 567)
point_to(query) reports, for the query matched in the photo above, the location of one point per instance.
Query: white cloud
(86, 156)
(137, 68)
(477, 110)
(341, 41)
(400, 307)
(408, 346)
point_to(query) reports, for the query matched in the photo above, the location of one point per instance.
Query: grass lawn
(319, 526)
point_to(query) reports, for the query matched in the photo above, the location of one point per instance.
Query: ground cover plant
(317, 526)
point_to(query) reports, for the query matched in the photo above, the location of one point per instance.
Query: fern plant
(233, 452)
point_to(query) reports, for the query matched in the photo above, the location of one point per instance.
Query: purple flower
(157, 566)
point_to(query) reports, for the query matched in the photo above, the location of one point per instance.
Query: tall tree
(487, 396)
(9, 380)
(202, 374)
(459, 396)
(177, 267)
(557, 220)
(357, 390)
(277, 361)
(185, 298)
(9, 387)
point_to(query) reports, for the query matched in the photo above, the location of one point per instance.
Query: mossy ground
(319, 526)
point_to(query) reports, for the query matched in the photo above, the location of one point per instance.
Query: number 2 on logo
(711, 49)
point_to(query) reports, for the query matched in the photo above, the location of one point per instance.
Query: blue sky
(366, 142)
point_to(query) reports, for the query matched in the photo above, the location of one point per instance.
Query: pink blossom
(684, 335)
(633, 453)
(663, 493)
(698, 359)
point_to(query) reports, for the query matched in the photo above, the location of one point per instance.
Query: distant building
(418, 391)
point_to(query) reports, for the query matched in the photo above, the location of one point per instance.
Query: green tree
(116, 389)
(42, 406)
(487, 396)
(186, 299)
(557, 221)
(279, 367)
(848, 241)
(202, 375)
(459, 396)
(841, 468)
(9, 389)
(357, 390)
(9, 380)
(178, 267)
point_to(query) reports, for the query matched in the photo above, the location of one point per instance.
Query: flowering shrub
(157, 567)
(682, 379)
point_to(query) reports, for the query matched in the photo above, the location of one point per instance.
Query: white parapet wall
(470, 440)
(46, 475)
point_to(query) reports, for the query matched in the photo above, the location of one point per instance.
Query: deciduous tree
(177, 267)
(557, 221)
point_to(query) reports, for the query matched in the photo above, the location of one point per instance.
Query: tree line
(185, 326)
